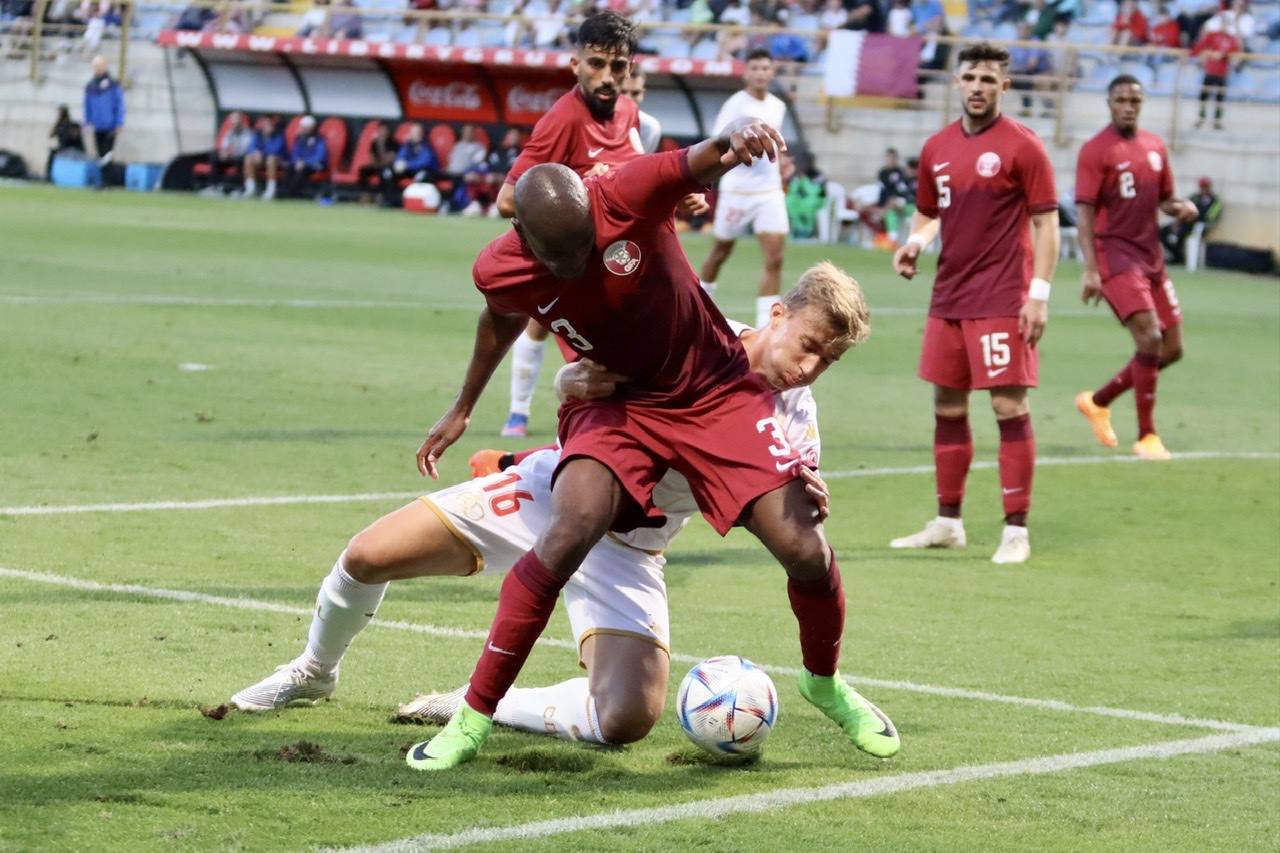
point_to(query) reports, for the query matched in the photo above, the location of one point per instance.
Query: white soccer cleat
(290, 683)
(436, 708)
(1015, 545)
(941, 532)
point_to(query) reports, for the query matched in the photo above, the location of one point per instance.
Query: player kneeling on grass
(617, 601)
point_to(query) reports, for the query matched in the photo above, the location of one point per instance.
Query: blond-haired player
(616, 602)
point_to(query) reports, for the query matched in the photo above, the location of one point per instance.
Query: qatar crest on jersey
(1156, 161)
(622, 257)
(989, 164)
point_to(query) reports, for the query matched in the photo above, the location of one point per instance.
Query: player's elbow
(506, 202)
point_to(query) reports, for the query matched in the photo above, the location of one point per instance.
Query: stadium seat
(205, 169)
(705, 49)
(291, 132)
(361, 155)
(402, 132)
(1140, 70)
(442, 137)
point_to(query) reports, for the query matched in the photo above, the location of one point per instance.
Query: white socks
(763, 304)
(710, 288)
(343, 607)
(565, 710)
(526, 361)
(250, 186)
(955, 525)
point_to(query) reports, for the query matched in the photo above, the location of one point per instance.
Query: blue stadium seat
(1140, 70)
(1098, 12)
(705, 49)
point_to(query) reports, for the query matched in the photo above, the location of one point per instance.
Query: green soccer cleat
(457, 743)
(866, 725)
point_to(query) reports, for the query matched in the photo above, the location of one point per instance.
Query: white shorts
(617, 590)
(763, 213)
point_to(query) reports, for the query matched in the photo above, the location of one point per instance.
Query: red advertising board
(454, 94)
(524, 97)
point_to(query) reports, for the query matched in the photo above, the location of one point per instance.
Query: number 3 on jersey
(575, 340)
(779, 447)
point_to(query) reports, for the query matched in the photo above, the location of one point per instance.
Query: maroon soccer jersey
(984, 187)
(570, 135)
(1125, 179)
(638, 308)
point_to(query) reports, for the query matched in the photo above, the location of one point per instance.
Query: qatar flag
(861, 63)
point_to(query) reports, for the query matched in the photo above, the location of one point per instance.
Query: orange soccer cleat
(1099, 418)
(1151, 447)
(485, 462)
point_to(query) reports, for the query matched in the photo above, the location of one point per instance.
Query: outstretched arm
(741, 143)
(495, 333)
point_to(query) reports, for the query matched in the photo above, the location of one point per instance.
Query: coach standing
(103, 110)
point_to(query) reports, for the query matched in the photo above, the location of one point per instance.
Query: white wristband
(917, 241)
(1040, 289)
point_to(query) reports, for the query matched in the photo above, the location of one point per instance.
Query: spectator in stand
(833, 15)
(382, 158)
(934, 52)
(924, 11)
(784, 46)
(310, 157)
(103, 111)
(498, 163)
(806, 196)
(65, 136)
(266, 152)
(1043, 19)
(1214, 50)
(1236, 20)
(1029, 68)
(467, 153)
(895, 192)
(901, 20)
(315, 21)
(1129, 29)
(1174, 235)
(416, 160)
(1165, 31)
(864, 15)
(346, 25)
(231, 149)
(1193, 15)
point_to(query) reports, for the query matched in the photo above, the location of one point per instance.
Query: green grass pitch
(335, 336)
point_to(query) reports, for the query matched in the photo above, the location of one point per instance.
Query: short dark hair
(610, 32)
(1123, 80)
(984, 51)
(760, 53)
(637, 73)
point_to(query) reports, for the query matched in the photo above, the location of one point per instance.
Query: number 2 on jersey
(1127, 188)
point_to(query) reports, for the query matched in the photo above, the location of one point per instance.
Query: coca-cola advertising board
(525, 97)
(462, 94)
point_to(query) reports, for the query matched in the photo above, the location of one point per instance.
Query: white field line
(366, 497)
(768, 801)
(469, 634)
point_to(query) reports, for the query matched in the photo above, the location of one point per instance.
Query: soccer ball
(727, 705)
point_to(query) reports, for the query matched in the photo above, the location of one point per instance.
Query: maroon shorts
(985, 353)
(729, 446)
(1132, 291)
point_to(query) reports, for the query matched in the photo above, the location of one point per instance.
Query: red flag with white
(861, 63)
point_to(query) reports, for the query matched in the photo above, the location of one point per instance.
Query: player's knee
(803, 554)
(625, 721)
(773, 262)
(570, 536)
(364, 560)
(1149, 341)
(1170, 353)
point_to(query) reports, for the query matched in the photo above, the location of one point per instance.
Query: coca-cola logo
(524, 100)
(455, 96)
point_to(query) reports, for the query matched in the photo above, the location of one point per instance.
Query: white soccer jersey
(762, 175)
(650, 132)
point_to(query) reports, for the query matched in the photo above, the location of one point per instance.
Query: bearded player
(599, 263)
(1123, 178)
(752, 199)
(987, 182)
(617, 602)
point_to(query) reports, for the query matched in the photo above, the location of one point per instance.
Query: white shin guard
(565, 710)
(526, 362)
(343, 607)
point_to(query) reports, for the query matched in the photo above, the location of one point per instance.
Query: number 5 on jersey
(944, 191)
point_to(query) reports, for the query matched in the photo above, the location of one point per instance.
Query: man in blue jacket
(310, 156)
(103, 110)
(415, 160)
(266, 151)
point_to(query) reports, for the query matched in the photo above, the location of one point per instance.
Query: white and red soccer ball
(727, 705)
